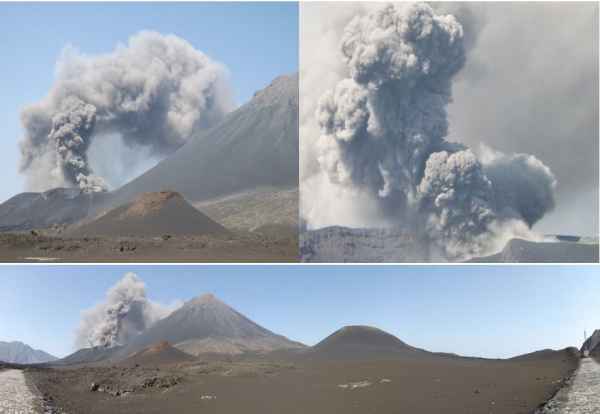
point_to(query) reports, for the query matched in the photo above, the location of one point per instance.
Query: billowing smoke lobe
(124, 314)
(383, 131)
(155, 92)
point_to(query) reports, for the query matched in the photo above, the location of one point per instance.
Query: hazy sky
(491, 311)
(530, 84)
(256, 41)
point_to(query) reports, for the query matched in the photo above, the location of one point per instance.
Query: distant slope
(207, 325)
(89, 355)
(19, 353)
(151, 214)
(254, 146)
(27, 211)
(361, 343)
(548, 354)
(523, 251)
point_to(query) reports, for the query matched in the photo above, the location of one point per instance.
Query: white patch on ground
(354, 385)
(582, 396)
(15, 395)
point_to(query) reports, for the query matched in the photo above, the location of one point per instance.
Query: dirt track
(15, 395)
(582, 396)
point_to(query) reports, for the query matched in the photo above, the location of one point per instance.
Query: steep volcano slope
(151, 214)
(207, 325)
(254, 146)
(362, 342)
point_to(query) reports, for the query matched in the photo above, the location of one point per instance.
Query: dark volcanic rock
(343, 244)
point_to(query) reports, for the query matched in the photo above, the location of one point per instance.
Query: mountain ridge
(17, 352)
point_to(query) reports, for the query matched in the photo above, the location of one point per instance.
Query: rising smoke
(382, 134)
(155, 93)
(125, 313)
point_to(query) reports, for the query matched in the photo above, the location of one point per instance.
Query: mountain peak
(205, 299)
(20, 353)
(205, 322)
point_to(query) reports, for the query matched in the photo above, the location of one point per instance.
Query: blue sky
(490, 311)
(256, 41)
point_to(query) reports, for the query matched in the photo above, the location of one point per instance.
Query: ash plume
(125, 313)
(382, 133)
(155, 93)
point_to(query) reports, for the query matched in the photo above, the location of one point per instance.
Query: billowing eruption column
(125, 313)
(155, 92)
(383, 131)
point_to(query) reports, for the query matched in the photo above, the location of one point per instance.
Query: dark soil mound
(361, 342)
(151, 214)
(160, 354)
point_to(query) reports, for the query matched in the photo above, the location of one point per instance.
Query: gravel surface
(15, 395)
(582, 396)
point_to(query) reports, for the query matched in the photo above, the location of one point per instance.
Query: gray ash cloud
(125, 313)
(155, 92)
(383, 129)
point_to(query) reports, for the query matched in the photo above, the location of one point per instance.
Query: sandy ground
(15, 395)
(234, 247)
(424, 385)
(582, 396)
(253, 209)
